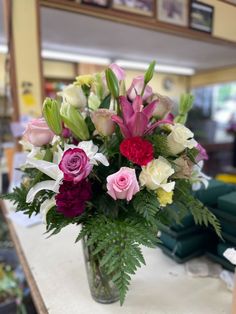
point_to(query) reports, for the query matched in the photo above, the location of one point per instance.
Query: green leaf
(149, 73)
(106, 102)
(112, 83)
(146, 204)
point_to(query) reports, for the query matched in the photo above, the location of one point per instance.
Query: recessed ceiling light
(159, 67)
(65, 56)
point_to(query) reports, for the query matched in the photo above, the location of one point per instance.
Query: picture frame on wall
(201, 17)
(173, 12)
(97, 3)
(141, 7)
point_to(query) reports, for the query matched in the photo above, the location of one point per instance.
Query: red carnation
(137, 150)
(72, 197)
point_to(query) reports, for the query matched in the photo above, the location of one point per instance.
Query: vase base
(105, 301)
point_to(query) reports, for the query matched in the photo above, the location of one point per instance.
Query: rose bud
(102, 121)
(74, 96)
(38, 133)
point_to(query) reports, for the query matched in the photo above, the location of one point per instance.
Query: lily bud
(112, 83)
(186, 102)
(51, 113)
(74, 121)
(149, 73)
(103, 122)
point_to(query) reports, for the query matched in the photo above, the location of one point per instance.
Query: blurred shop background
(45, 44)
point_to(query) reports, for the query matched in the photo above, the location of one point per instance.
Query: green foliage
(18, 198)
(146, 204)
(116, 245)
(192, 153)
(201, 214)
(159, 142)
(106, 102)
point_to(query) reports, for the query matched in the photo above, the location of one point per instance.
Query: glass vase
(101, 286)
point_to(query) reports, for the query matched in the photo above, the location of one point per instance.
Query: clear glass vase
(101, 286)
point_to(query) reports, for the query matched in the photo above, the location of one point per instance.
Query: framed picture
(173, 11)
(201, 17)
(143, 7)
(97, 3)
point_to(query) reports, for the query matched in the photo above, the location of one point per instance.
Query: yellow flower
(84, 80)
(164, 197)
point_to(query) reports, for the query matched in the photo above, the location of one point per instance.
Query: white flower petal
(44, 185)
(168, 187)
(101, 158)
(46, 206)
(230, 254)
(50, 169)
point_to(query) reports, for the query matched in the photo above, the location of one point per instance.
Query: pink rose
(38, 133)
(118, 71)
(137, 87)
(123, 184)
(75, 165)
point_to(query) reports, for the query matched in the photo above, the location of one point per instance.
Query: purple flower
(202, 155)
(136, 117)
(118, 71)
(72, 198)
(75, 165)
(136, 88)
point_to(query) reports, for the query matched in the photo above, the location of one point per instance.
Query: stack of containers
(186, 240)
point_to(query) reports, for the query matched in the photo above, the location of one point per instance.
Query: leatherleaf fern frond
(116, 244)
(201, 214)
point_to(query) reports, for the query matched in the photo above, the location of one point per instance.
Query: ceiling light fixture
(65, 56)
(159, 67)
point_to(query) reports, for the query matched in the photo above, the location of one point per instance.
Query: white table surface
(160, 287)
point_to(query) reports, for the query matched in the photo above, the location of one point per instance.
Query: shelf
(134, 19)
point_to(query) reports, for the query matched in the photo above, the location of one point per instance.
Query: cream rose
(73, 95)
(102, 121)
(156, 174)
(179, 139)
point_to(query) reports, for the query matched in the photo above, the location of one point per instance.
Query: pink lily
(136, 117)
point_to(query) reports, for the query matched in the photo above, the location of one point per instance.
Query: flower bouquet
(117, 162)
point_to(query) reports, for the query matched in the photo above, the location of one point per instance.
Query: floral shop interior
(117, 156)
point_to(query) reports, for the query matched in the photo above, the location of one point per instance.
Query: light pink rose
(122, 184)
(137, 87)
(102, 121)
(38, 133)
(118, 71)
(75, 165)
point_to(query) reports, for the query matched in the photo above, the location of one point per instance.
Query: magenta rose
(137, 87)
(71, 199)
(75, 165)
(38, 133)
(122, 184)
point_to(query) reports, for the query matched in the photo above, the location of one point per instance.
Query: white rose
(73, 95)
(156, 174)
(180, 138)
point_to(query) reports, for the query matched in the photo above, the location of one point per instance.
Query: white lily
(198, 178)
(46, 206)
